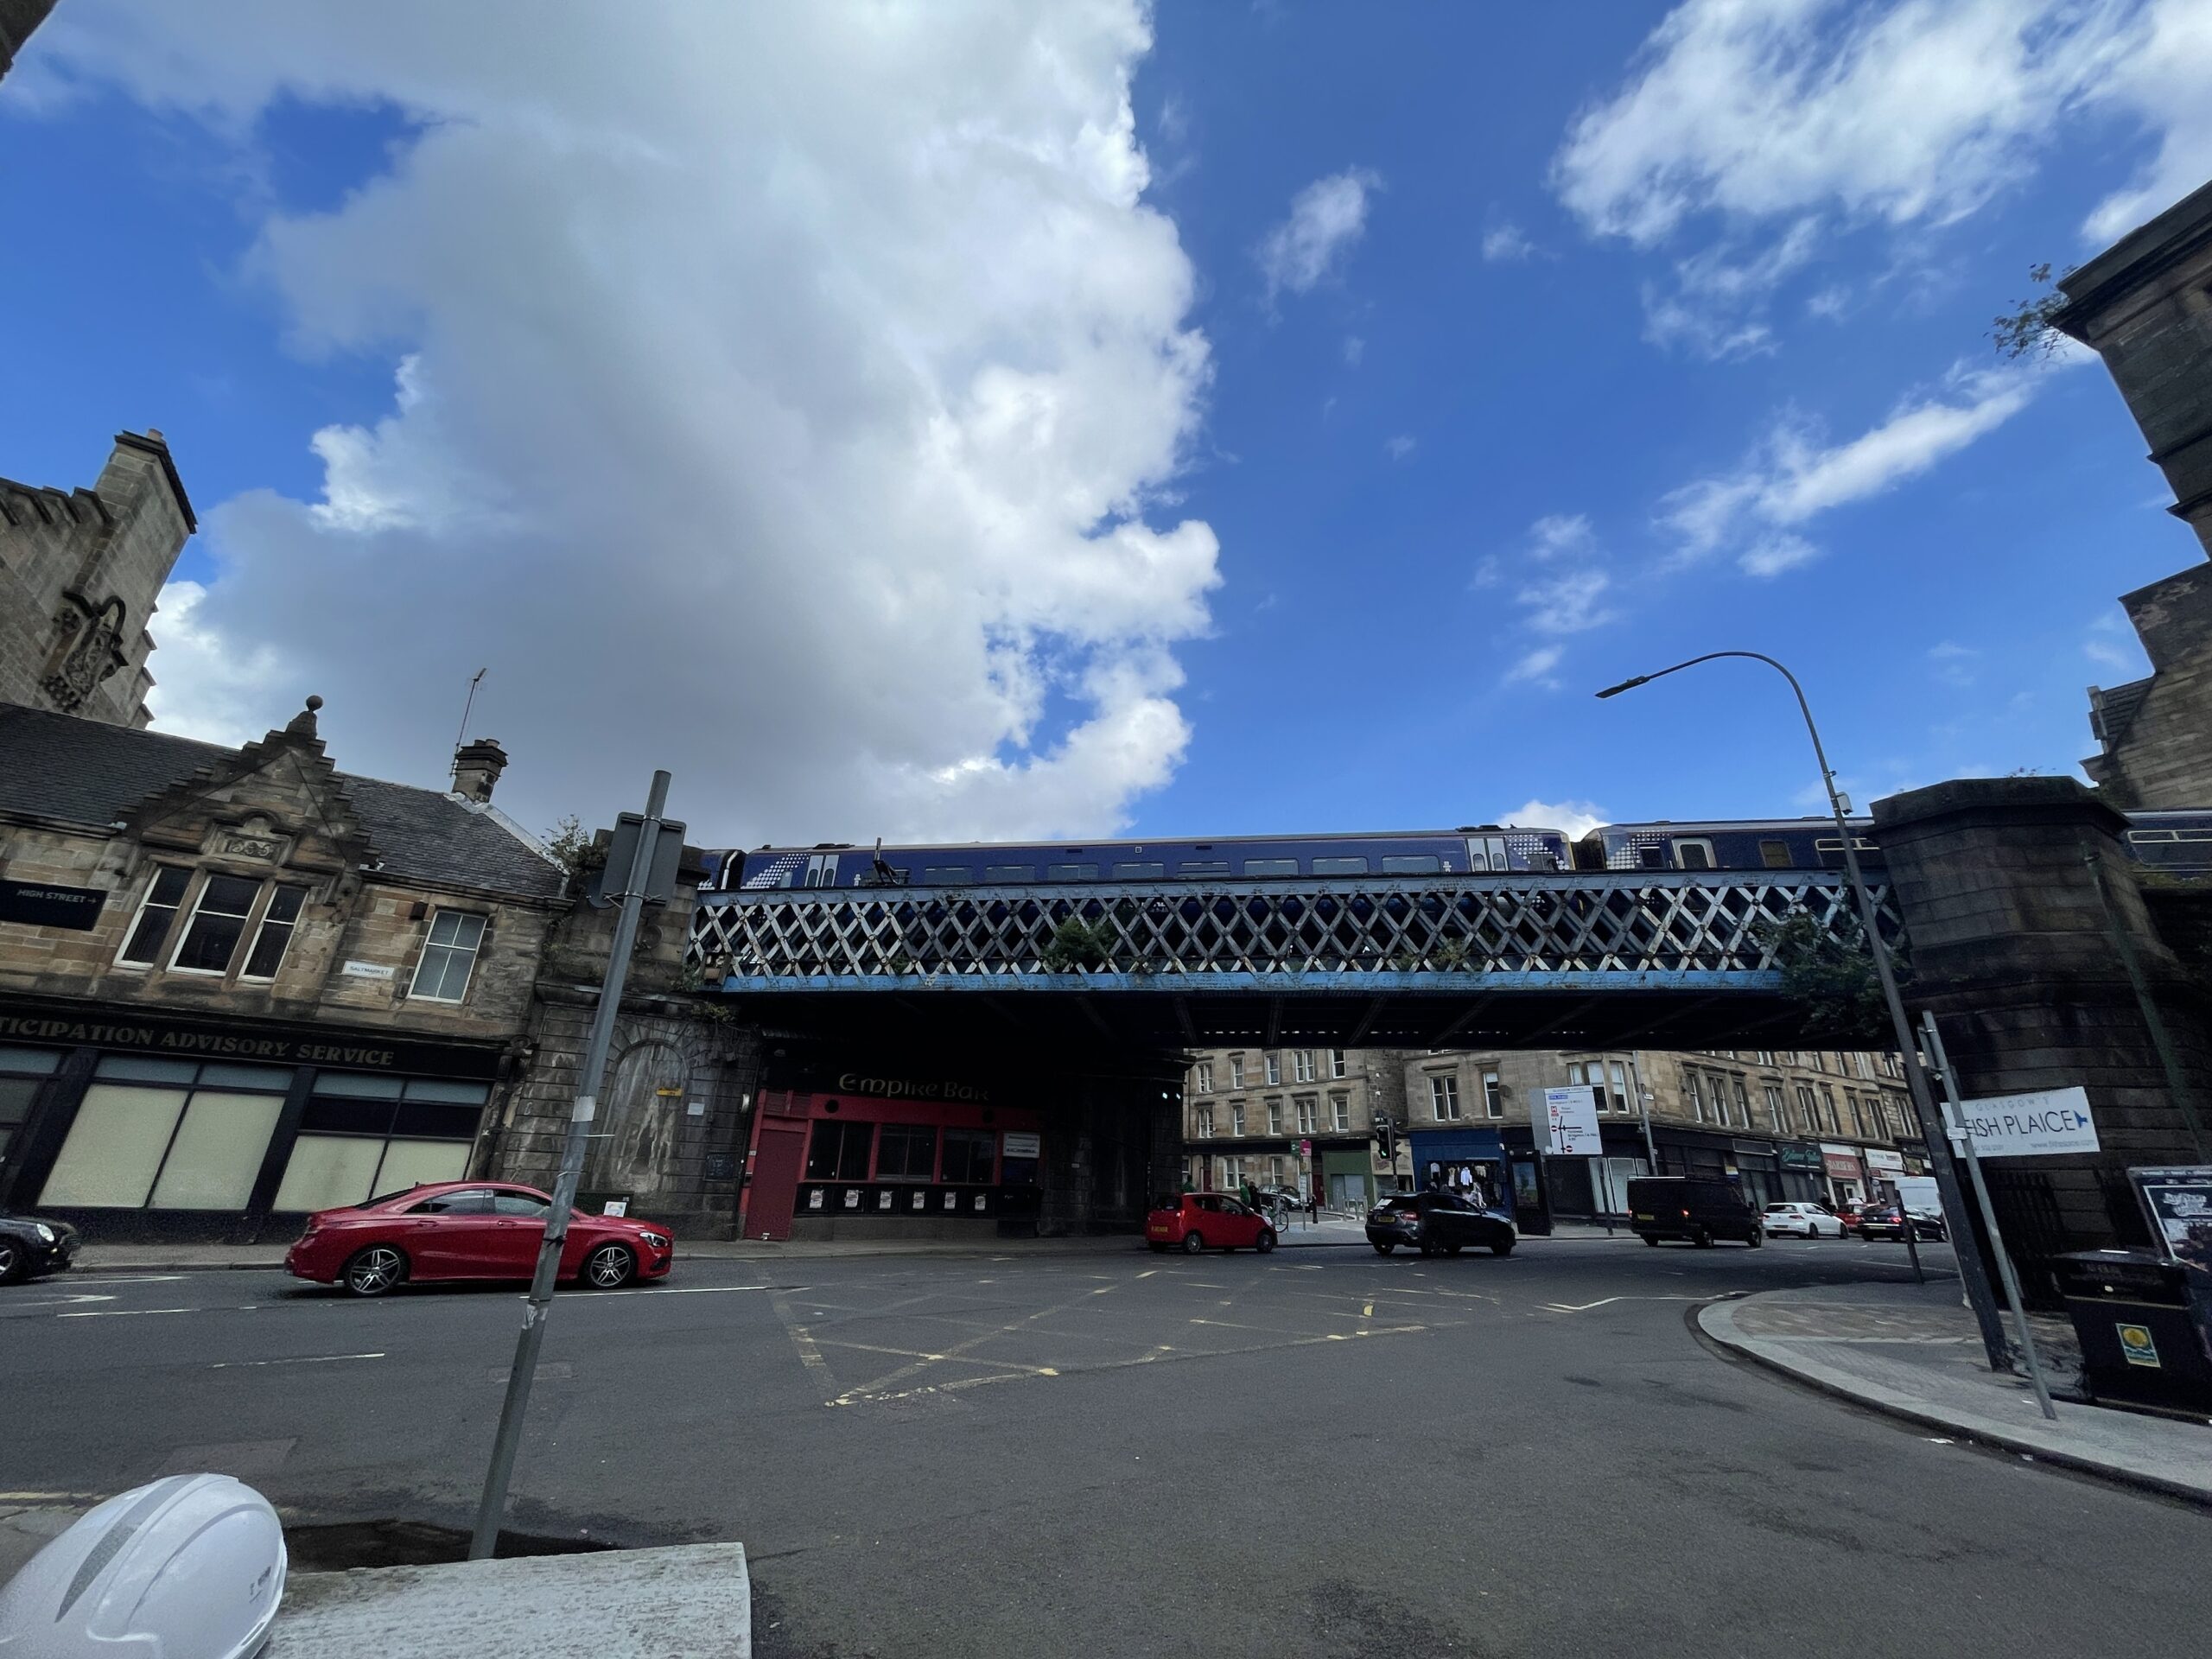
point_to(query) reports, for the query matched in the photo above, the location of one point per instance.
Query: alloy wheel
(609, 1268)
(375, 1270)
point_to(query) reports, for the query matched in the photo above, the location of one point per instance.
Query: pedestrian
(1312, 1206)
(1251, 1195)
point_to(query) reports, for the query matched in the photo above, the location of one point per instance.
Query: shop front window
(906, 1151)
(839, 1151)
(971, 1157)
(365, 1136)
(21, 1070)
(168, 1134)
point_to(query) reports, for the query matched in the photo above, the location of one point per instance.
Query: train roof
(1705, 826)
(1155, 841)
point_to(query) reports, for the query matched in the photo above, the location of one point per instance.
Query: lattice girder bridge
(1583, 958)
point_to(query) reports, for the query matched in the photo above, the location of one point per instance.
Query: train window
(1204, 866)
(947, 875)
(2152, 835)
(1775, 855)
(2193, 835)
(1651, 858)
(1071, 871)
(1477, 859)
(1413, 864)
(1693, 855)
(1139, 872)
(1271, 867)
(1009, 873)
(1543, 858)
(1340, 865)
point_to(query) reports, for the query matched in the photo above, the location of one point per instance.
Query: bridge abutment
(2021, 949)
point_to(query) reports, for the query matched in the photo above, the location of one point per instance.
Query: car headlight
(45, 1232)
(658, 1241)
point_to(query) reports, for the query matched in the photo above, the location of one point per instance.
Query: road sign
(1305, 1148)
(2044, 1124)
(1571, 1119)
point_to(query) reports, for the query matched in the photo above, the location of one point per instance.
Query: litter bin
(2142, 1325)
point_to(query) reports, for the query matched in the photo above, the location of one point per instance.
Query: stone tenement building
(237, 985)
(1787, 1123)
(2144, 305)
(79, 571)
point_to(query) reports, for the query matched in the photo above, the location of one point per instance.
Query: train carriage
(1480, 849)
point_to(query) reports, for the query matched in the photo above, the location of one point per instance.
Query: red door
(774, 1190)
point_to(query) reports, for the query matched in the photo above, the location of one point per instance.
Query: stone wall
(2013, 950)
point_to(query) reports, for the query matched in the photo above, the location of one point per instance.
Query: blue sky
(1022, 419)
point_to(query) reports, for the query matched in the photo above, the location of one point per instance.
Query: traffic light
(1386, 1136)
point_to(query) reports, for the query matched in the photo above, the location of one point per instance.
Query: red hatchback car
(1200, 1221)
(470, 1230)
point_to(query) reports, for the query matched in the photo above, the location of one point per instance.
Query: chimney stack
(476, 768)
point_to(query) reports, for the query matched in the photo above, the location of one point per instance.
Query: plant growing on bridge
(1830, 975)
(1078, 947)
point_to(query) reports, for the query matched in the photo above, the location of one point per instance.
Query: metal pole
(1972, 1274)
(2161, 1039)
(1643, 1112)
(1953, 1106)
(539, 1306)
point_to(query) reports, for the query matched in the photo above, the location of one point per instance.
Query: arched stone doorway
(634, 1141)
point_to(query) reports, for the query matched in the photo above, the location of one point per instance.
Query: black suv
(1437, 1223)
(1695, 1207)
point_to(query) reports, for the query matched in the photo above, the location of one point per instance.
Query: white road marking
(696, 1290)
(1147, 1274)
(304, 1359)
(125, 1313)
(1584, 1307)
(129, 1279)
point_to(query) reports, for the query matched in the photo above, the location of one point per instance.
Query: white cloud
(1907, 113)
(1355, 350)
(1793, 477)
(1507, 243)
(1556, 533)
(1535, 667)
(1577, 819)
(1952, 663)
(1400, 447)
(790, 396)
(1718, 305)
(2112, 644)
(1327, 219)
(1918, 111)
(1572, 603)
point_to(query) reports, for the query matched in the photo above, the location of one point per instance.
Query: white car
(1799, 1221)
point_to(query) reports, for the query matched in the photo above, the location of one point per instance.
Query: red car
(470, 1230)
(1200, 1221)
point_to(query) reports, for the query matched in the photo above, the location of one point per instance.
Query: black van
(1699, 1208)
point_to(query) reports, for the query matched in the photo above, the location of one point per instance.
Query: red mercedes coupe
(470, 1230)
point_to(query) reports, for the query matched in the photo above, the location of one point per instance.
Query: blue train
(1480, 848)
(2179, 844)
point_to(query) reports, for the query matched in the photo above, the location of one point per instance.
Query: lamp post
(1971, 1271)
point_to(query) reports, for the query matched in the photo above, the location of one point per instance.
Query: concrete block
(691, 1602)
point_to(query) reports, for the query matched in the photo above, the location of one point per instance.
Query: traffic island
(1914, 1353)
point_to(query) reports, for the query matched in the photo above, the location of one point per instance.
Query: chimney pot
(476, 768)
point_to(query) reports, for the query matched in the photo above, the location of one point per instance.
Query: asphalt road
(1321, 1453)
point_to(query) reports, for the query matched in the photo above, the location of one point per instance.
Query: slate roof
(88, 772)
(2116, 709)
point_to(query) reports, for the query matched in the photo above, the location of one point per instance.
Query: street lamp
(1977, 1284)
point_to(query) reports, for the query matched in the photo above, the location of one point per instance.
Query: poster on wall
(2177, 1201)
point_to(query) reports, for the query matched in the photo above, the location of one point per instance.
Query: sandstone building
(237, 985)
(1807, 1124)
(2144, 305)
(79, 571)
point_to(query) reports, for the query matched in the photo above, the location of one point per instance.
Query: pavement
(1318, 1454)
(1914, 1351)
(689, 1602)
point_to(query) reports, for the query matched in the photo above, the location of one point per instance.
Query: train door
(1487, 853)
(1693, 853)
(821, 870)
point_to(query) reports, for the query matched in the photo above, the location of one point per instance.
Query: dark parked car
(1698, 1208)
(29, 1246)
(1437, 1223)
(1887, 1220)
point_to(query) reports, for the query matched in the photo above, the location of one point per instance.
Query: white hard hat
(188, 1567)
